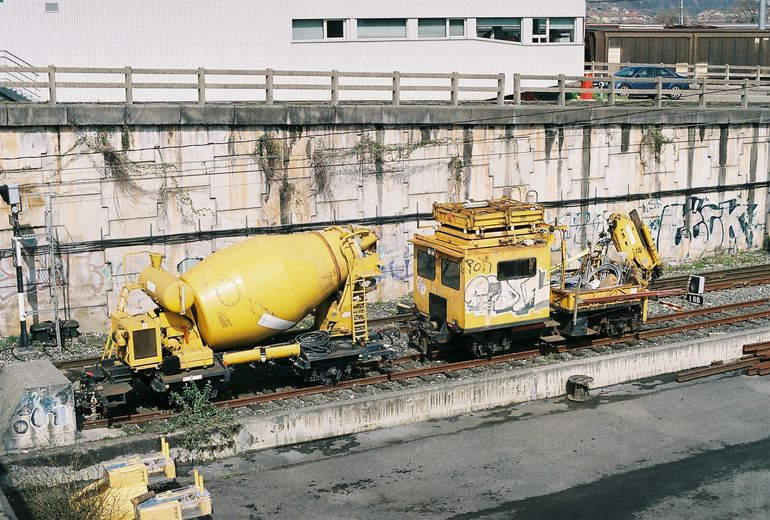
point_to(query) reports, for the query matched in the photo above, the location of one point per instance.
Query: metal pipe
(261, 354)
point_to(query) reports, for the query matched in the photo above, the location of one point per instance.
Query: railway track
(715, 280)
(718, 280)
(426, 371)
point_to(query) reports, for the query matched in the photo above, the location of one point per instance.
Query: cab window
(426, 265)
(520, 268)
(450, 273)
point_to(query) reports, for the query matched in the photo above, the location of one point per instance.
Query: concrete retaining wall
(187, 180)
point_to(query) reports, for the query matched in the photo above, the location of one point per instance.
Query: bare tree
(745, 11)
(670, 17)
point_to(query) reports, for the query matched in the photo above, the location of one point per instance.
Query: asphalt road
(653, 449)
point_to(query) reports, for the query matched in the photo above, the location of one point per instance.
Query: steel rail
(430, 370)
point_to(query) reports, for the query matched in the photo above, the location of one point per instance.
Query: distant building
(482, 36)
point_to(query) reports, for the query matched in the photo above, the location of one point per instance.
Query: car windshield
(625, 73)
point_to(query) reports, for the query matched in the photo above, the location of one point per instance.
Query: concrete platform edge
(485, 392)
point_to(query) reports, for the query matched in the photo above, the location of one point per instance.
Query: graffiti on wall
(680, 229)
(700, 225)
(42, 417)
(486, 295)
(582, 223)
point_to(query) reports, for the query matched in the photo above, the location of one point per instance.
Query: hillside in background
(692, 6)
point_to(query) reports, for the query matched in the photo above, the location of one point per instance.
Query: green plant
(205, 426)
(653, 141)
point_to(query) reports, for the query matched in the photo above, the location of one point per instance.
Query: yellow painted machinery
(484, 277)
(221, 312)
(485, 270)
(125, 491)
(608, 294)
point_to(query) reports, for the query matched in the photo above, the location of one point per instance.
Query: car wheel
(676, 92)
(624, 88)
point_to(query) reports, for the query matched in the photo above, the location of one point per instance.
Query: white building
(479, 36)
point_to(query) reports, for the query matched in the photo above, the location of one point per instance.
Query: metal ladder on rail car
(358, 315)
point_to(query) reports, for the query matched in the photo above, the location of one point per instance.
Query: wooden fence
(733, 87)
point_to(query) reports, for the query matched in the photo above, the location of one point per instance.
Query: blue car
(626, 77)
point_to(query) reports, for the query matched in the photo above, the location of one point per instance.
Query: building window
(317, 29)
(456, 27)
(561, 30)
(307, 29)
(335, 28)
(426, 265)
(508, 29)
(521, 268)
(539, 30)
(431, 28)
(382, 28)
(450, 273)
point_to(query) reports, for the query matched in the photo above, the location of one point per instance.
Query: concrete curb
(418, 404)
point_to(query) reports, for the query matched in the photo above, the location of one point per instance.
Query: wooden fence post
(562, 94)
(745, 93)
(501, 88)
(702, 94)
(51, 85)
(727, 74)
(396, 88)
(201, 86)
(659, 92)
(129, 86)
(517, 88)
(611, 100)
(335, 87)
(455, 88)
(269, 86)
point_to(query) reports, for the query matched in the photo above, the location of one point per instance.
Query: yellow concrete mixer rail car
(486, 278)
(221, 312)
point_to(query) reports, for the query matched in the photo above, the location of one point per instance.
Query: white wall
(257, 34)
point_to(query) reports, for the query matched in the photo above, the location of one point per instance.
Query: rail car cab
(483, 275)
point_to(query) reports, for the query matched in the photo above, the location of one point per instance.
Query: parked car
(628, 78)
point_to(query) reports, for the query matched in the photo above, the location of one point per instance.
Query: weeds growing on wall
(322, 174)
(269, 157)
(117, 165)
(653, 142)
(369, 150)
(456, 167)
